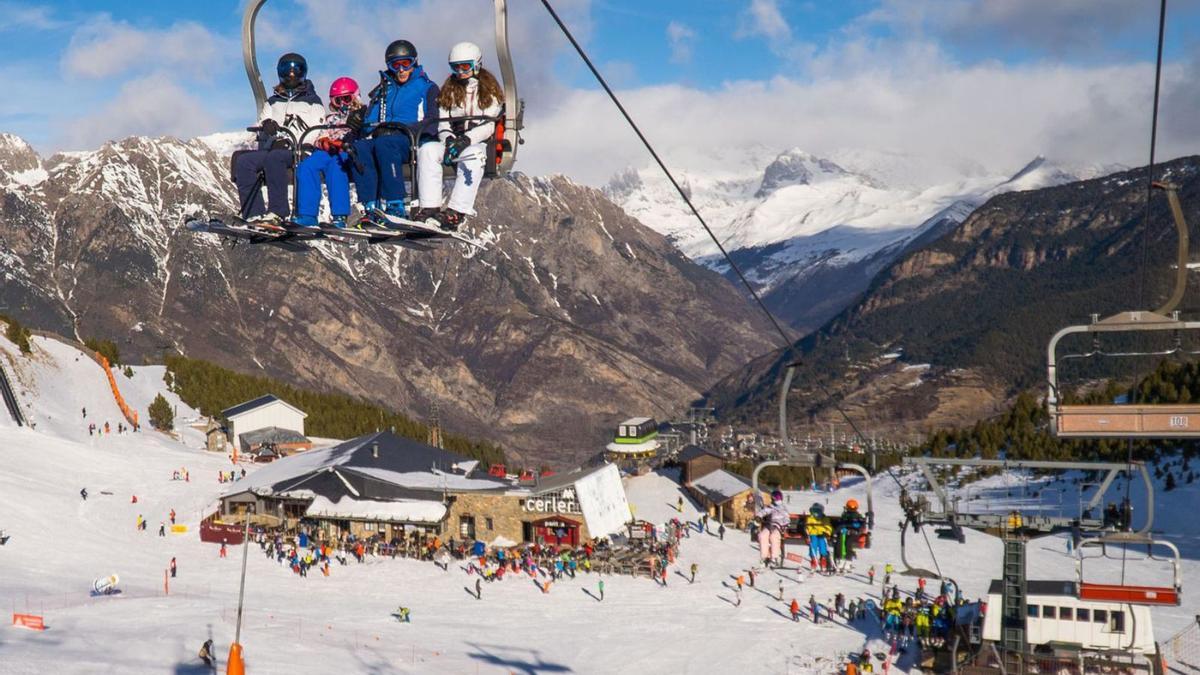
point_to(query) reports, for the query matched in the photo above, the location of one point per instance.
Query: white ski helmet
(466, 55)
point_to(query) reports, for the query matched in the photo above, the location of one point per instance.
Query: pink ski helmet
(343, 86)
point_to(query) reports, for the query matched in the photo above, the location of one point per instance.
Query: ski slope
(60, 543)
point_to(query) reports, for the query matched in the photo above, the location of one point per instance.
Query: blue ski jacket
(408, 103)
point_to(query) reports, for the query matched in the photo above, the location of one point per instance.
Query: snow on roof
(636, 420)
(400, 511)
(243, 408)
(721, 485)
(430, 479)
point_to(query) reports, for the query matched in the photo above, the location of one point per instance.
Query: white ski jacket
(476, 130)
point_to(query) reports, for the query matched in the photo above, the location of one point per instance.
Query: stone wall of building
(507, 514)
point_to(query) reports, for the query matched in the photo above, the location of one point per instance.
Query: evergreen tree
(161, 415)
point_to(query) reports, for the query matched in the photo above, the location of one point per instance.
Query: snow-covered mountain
(572, 303)
(810, 231)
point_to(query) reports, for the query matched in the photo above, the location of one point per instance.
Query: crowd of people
(368, 143)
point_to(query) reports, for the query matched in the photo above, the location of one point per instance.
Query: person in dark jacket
(406, 96)
(294, 106)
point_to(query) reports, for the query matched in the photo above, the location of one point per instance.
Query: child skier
(330, 160)
(470, 91)
(407, 96)
(795, 608)
(294, 106)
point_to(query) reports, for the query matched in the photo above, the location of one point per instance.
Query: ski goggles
(402, 65)
(343, 101)
(462, 67)
(292, 70)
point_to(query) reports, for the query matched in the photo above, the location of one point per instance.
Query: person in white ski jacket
(775, 519)
(294, 105)
(470, 91)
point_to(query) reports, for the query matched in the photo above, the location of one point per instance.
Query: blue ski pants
(335, 169)
(383, 160)
(274, 166)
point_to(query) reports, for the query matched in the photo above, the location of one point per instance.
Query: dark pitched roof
(690, 452)
(561, 480)
(1040, 587)
(402, 467)
(272, 435)
(249, 405)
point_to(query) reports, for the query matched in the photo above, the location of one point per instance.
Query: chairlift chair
(502, 148)
(1131, 594)
(1138, 420)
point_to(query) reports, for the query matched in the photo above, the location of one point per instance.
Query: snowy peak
(1037, 174)
(796, 167)
(20, 164)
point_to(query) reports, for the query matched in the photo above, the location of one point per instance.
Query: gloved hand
(270, 127)
(455, 146)
(355, 119)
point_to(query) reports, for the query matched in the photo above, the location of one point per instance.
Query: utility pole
(236, 664)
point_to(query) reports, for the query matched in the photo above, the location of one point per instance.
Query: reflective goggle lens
(343, 100)
(402, 64)
(463, 66)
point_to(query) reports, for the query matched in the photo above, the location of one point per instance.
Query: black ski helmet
(400, 49)
(292, 70)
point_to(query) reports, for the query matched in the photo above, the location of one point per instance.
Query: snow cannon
(106, 585)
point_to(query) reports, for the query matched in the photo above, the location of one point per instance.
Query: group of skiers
(369, 142)
(831, 542)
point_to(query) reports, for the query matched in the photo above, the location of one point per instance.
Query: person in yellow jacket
(818, 528)
(922, 621)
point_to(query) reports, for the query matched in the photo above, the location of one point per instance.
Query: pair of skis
(292, 237)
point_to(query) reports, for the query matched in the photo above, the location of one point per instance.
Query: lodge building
(386, 485)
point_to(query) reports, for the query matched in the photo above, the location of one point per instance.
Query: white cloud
(1057, 27)
(103, 48)
(155, 105)
(680, 37)
(764, 18)
(918, 103)
(23, 16)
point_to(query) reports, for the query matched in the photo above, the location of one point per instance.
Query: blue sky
(82, 72)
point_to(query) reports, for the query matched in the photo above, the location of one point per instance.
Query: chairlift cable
(1142, 264)
(788, 343)
(1162, 22)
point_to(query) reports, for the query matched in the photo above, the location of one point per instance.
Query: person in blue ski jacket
(293, 106)
(330, 160)
(405, 95)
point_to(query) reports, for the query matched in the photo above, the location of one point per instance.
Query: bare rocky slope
(575, 316)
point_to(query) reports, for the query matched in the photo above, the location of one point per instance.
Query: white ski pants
(466, 183)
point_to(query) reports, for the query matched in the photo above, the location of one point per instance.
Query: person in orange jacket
(795, 607)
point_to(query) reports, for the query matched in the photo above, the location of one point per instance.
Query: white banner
(601, 497)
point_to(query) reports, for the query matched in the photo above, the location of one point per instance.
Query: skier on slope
(295, 106)
(83, 493)
(206, 653)
(407, 96)
(330, 160)
(770, 538)
(470, 91)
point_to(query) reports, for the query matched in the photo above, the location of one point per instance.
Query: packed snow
(60, 543)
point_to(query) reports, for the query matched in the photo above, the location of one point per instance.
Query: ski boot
(305, 221)
(339, 222)
(424, 215)
(365, 217)
(267, 221)
(394, 208)
(450, 220)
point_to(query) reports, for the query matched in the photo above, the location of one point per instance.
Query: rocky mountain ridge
(574, 317)
(957, 324)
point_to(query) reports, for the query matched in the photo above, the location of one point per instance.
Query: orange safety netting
(130, 414)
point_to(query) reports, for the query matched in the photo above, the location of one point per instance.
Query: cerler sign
(562, 501)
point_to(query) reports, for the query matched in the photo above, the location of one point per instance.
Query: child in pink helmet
(329, 159)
